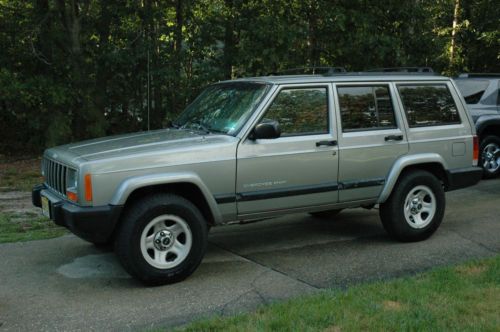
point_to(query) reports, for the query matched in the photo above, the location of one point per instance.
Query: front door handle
(394, 138)
(326, 143)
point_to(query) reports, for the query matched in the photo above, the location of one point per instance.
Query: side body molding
(136, 182)
(401, 163)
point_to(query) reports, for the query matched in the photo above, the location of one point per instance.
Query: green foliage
(462, 298)
(74, 72)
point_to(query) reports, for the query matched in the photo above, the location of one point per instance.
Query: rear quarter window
(472, 90)
(428, 105)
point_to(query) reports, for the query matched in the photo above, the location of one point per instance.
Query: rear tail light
(475, 153)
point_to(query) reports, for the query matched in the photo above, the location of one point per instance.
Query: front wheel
(162, 239)
(415, 208)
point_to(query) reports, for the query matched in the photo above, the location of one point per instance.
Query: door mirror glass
(266, 130)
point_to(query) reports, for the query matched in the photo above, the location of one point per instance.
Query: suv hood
(130, 144)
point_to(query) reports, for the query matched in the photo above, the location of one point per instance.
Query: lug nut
(162, 234)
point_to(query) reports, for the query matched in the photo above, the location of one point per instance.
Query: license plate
(45, 206)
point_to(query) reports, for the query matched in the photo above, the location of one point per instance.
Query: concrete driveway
(68, 284)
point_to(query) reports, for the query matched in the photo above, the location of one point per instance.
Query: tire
(179, 227)
(405, 224)
(489, 158)
(328, 214)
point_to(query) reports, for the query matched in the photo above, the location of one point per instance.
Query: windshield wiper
(200, 127)
(196, 126)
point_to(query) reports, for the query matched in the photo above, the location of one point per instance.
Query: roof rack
(479, 75)
(402, 70)
(310, 70)
(383, 73)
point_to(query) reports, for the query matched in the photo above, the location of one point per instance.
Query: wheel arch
(430, 162)
(187, 185)
(488, 125)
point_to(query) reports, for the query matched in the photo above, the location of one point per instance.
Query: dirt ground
(18, 174)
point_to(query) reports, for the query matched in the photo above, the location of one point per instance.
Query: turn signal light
(475, 153)
(88, 187)
(71, 196)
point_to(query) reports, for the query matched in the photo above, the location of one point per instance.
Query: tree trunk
(312, 17)
(43, 47)
(175, 103)
(454, 32)
(229, 44)
(102, 74)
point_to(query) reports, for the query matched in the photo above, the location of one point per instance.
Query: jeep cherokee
(255, 148)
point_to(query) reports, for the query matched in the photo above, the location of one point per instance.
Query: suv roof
(478, 75)
(344, 77)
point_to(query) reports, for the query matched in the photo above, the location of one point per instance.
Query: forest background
(77, 69)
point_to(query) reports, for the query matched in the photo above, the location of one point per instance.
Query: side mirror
(266, 130)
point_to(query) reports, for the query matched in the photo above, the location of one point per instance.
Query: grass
(461, 298)
(17, 223)
(27, 227)
(19, 175)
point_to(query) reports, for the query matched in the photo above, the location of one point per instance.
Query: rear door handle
(394, 138)
(326, 143)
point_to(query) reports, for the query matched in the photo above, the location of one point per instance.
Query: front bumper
(94, 224)
(463, 177)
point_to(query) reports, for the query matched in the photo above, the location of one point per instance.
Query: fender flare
(131, 184)
(486, 120)
(403, 162)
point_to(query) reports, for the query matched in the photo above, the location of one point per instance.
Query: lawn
(26, 227)
(19, 220)
(459, 298)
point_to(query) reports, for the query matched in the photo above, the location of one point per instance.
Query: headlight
(71, 182)
(71, 179)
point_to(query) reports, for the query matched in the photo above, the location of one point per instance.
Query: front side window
(366, 108)
(428, 105)
(223, 108)
(301, 111)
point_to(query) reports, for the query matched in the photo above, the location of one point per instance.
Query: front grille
(55, 175)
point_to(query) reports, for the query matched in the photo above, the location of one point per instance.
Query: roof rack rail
(402, 70)
(479, 75)
(310, 70)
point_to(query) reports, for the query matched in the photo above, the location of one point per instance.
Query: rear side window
(366, 108)
(428, 105)
(472, 90)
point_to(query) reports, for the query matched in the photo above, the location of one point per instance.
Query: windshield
(222, 108)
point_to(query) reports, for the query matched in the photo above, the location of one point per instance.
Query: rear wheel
(415, 208)
(490, 156)
(162, 239)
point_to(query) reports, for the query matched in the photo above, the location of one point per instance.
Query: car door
(371, 138)
(300, 167)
